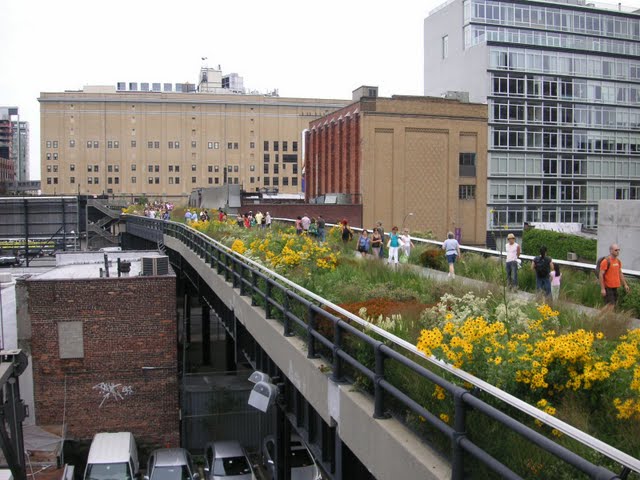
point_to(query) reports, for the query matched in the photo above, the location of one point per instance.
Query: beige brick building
(164, 144)
(401, 155)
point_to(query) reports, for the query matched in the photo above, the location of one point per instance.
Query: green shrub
(433, 258)
(559, 244)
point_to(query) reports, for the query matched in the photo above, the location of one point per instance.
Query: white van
(112, 456)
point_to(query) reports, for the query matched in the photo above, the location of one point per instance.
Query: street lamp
(410, 214)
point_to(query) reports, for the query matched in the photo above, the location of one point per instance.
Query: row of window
(572, 115)
(592, 91)
(573, 141)
(509, 217)
(175, 145)
(570, 166)
(550, 18)
(563, 63)
(571, 192)
(477, 34)
(275, 181)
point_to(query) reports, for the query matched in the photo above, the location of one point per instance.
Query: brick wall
(127, 324)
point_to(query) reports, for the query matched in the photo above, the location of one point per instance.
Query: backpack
(542, 266)
(597, 270)
(313, 229)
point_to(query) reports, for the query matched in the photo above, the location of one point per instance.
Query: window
(467, 164)
(48, 156)
(72, 143)
(95, 168)
(72, 167)
(229, 168)
(276, 168)
(157, 145)
(110, 144)
(171, 168)
(216, 168)
(55, 144)
(55, 168)
(72, 179)
(133, 167)
(295, 169)
(266, 181)
(170, 180)
(276, 146)
(209, 145)
(55, 156)
(210, 168)
(150, 179)
(150, 168)
(217, 180)
(285, 146)
(177, 180)
(116, 144)
(445, 46)
(266, 157)
(193, 144)
(266, 146)
(96, 180)
(193, 167)
(157, 180)
(193, 179)
(294, 146)
(48, 168)
(133, 179)
(252, 144)
(467, 192)
(275, 181)
(109, 180)
(89, 144)
(252, 168)
(235, 145)
(252, 179)
(285, 181)
(156, 168)
(177, 144)
(55, 180)
(89, 180)
(133, 144)
(216, 145)
(235, 169)
(109, 168)
(149, 144)
(170, 144)
(96, 144)
(89, 168)
(294, 181)
(48, 143)
(229, 145)
(266, 169)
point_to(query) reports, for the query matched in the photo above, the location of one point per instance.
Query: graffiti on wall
(113, 391)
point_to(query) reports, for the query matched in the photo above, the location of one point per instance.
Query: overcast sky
(321, 49)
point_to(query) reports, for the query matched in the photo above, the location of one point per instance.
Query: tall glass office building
(562, 82)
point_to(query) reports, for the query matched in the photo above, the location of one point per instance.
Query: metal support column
(206, 333)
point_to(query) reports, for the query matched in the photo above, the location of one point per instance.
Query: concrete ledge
(386, 447)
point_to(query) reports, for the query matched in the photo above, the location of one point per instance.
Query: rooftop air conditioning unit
(155, 266)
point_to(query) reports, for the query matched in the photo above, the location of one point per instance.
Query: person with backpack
(556, 276)
(543, 265)
(611, 276)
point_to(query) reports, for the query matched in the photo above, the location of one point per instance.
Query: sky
(321, 49)
(304, 49)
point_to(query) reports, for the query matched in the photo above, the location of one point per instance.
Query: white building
(562, 81)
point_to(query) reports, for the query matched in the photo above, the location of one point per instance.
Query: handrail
(609, 451)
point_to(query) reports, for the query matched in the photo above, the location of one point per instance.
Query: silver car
(170, 464)
(303, 466)
(227, 460)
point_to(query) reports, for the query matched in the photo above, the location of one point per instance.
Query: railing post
(219, 265)
(459, 426)
(267, 301)
(311, 327)
(226, 267)
(378, 391)
(234, 272)
(285, 312)
(336, 376)
(254, 287)
(243, 291)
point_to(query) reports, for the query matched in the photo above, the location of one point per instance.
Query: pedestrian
(259, 218)
(451, 249)
(556, 276)
(407, 243)
(364, 243)
(542, 265)
(345, 234)
(220, 215)
(299, 225)
(313, 228)
(394, 245)
(305, 221)
(321, 231)
(611, 276)
(376, 242)
(267, 220)
(380, 229)
(512, 263)
(187, 216)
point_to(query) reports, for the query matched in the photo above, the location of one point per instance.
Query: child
(556, 276)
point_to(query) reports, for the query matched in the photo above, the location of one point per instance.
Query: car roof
(227, 448)
(110, 447)
(166, 457)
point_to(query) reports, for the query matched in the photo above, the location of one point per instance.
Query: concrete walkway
(519, 294)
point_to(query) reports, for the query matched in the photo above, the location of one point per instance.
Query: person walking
(512, 263)
(611, 276)
(321, 231)
(407, 243)
(364, 243)
(267, 220)
(556, 276)
(451, 249)
(394, 245)
(543, 265)
(346, 234)
(376, 242)
(299, 225)
(380, 229)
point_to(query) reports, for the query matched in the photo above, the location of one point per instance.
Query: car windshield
(231, 466)
(300, 458)
(171, 473)
(108, 471)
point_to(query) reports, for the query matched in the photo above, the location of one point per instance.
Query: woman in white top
(513, 254)
(407, 244)
(556, 276)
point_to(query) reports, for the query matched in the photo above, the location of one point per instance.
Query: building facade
(103, 348)
(404, 155)
(164, 144)
(562, 83)
(14, 148)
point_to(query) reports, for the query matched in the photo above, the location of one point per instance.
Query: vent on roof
(155, 266)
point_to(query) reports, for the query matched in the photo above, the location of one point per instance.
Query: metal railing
(280, 297)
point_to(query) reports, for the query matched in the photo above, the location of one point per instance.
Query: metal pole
(26, 230)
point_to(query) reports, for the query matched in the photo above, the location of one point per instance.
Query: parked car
(303, 465)
(112, 456)
(227, 460)
(170, 464)
(10, 260)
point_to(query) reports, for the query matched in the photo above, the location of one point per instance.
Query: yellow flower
(444, 417)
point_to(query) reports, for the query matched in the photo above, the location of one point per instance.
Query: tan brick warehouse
(401, 155)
